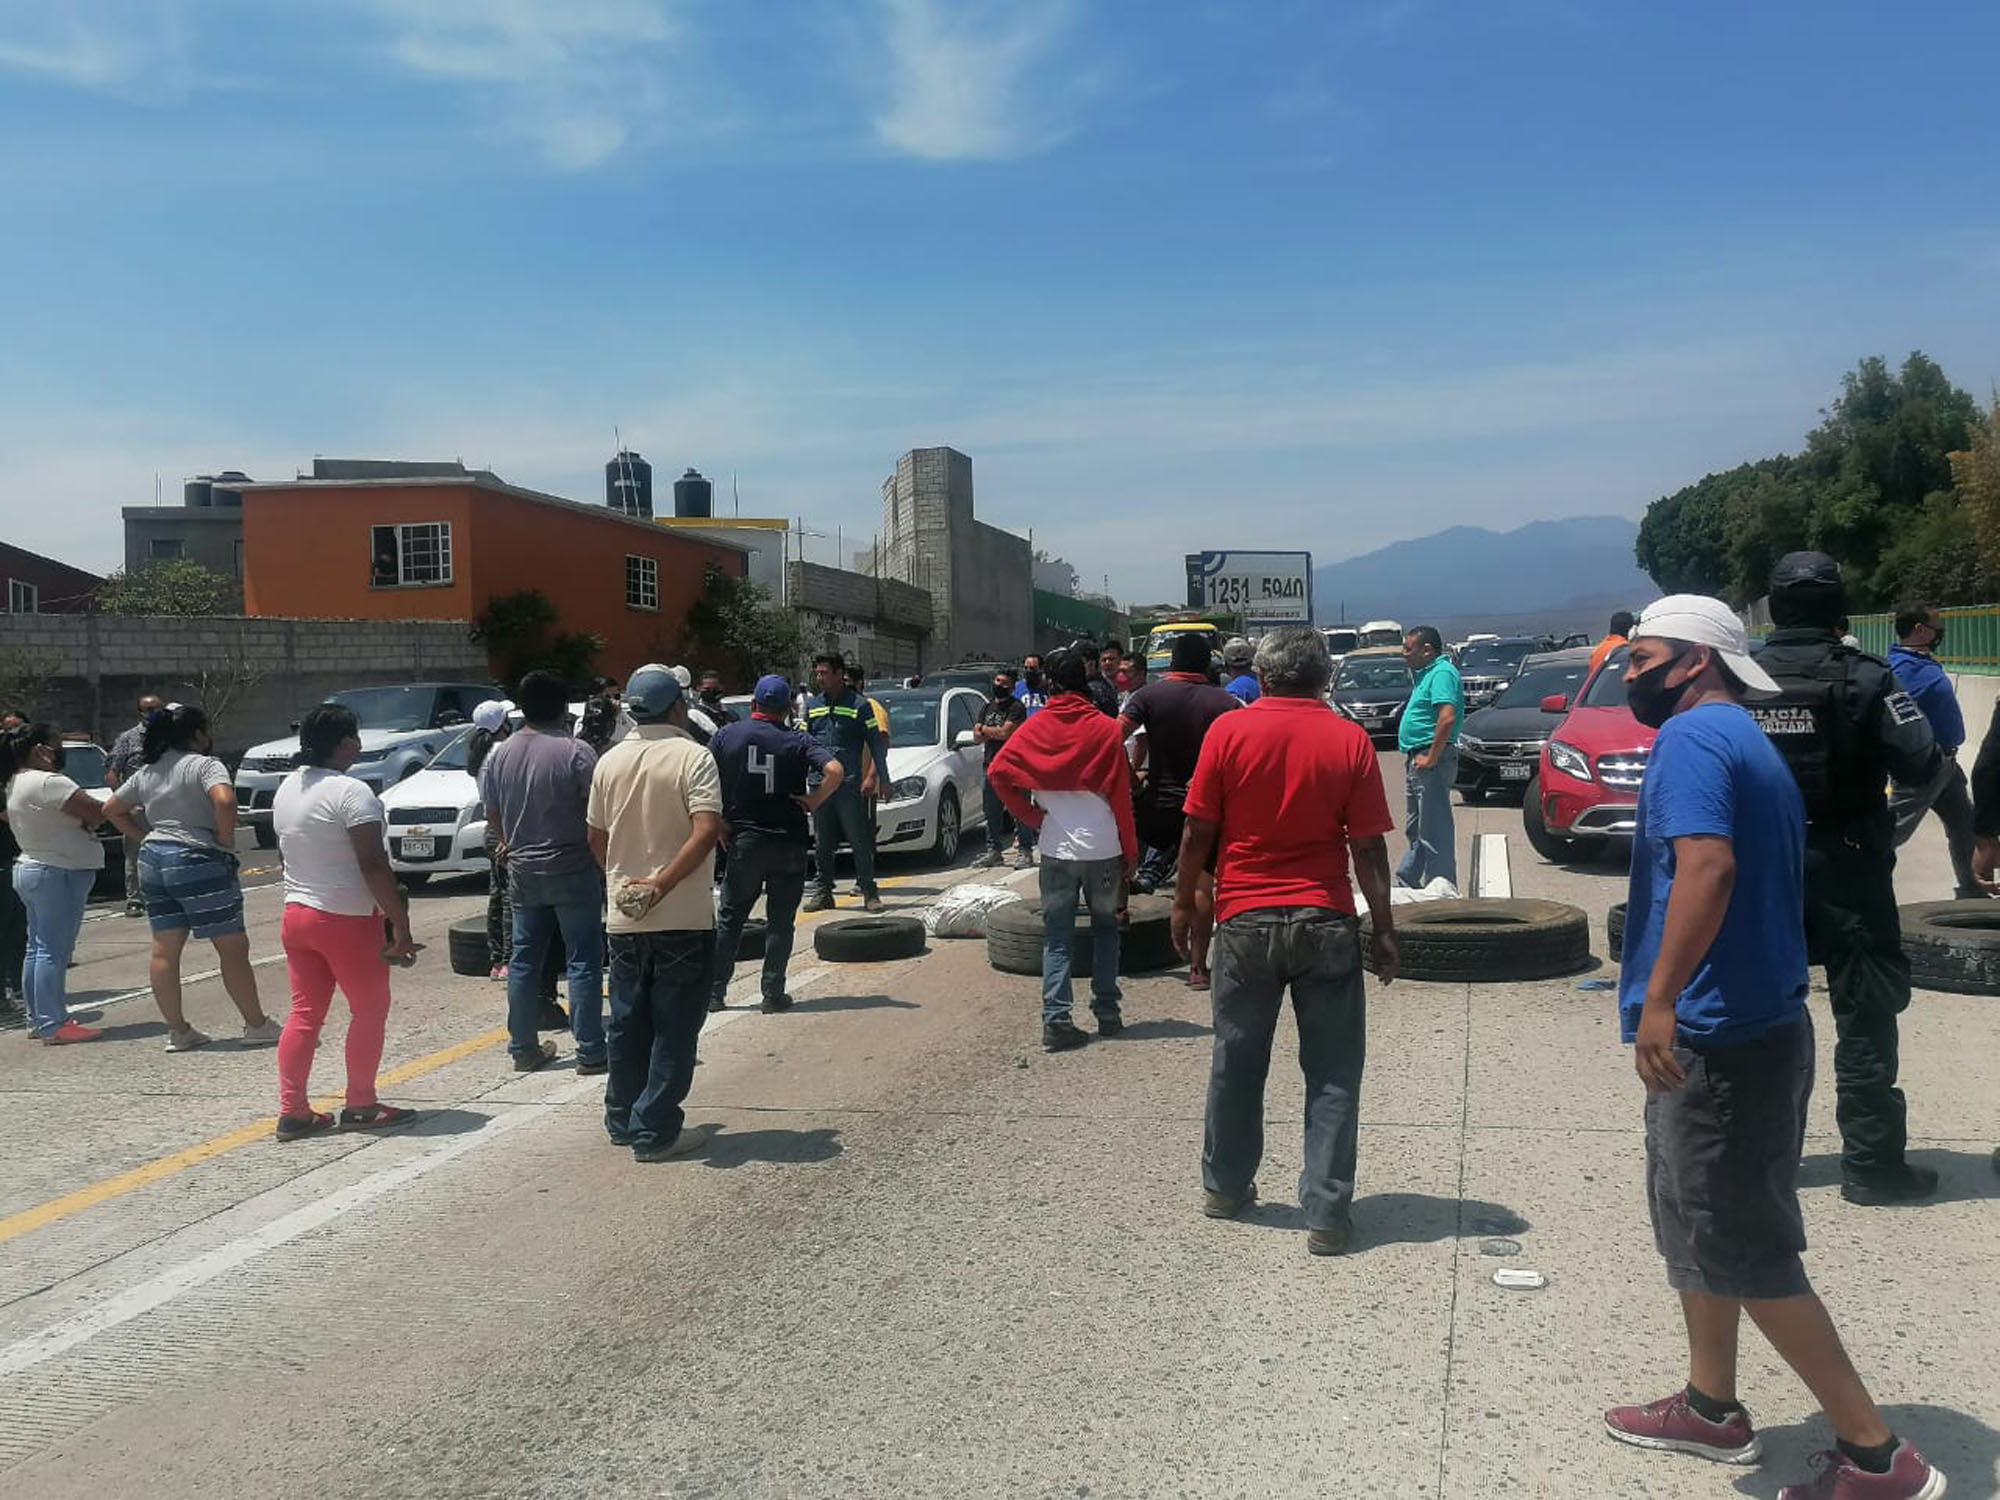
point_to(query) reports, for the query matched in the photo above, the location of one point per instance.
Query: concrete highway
(920, 1257)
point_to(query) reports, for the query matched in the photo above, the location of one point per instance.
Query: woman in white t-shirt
(52, 818)
(187, 866)
(338, 889)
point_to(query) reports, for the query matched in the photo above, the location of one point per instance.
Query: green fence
(1971, 637)
(1060, 619)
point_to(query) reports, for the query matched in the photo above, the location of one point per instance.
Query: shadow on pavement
(1163, 1027)
(854, 1002)
(433, 1122)
(732, 1148)
(131, 1031)
(1424, 1219)
(1963, 1176)
(1965, 1448)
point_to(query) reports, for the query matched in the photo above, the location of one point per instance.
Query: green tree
(179, 586)
(736, 628)
(522, 634)
(1975, 473)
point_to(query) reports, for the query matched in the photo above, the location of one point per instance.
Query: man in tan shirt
(654, 818)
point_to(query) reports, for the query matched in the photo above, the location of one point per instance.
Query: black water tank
(628, 484)
(226, 491)
(694, 496)
(199, 492)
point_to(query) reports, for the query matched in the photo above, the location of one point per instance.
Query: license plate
(419, 848)
(1516, 772)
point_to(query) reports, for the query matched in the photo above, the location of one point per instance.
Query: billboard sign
(1268, 589)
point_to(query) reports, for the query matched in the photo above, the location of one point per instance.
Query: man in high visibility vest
(844, 722)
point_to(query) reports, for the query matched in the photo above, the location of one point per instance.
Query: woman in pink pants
(338, 886)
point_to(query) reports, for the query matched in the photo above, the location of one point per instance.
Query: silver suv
(402, 727)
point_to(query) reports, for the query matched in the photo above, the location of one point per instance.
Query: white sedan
(437, 823)
(935, 787)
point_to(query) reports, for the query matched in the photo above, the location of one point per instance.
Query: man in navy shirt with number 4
(1713, 992)
(767, 810)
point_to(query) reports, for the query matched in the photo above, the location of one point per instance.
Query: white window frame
(436, 535)
(642, 583)
(23, 598)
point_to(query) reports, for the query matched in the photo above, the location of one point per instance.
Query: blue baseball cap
(651, 694)
(772, 691)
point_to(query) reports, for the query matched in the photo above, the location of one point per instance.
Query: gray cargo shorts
(1722, 1166)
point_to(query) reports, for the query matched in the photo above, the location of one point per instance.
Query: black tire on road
(869, 940)
(266, 835)
(751, 945)
(1953, 946)
(1614, 932)
(1465, 941)
(1014, 939)
(414, 880)
(469, 954)
(1544, 840)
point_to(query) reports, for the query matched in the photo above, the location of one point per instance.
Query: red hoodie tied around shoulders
(1070, 746)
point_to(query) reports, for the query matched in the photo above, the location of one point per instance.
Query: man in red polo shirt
(1284, 789)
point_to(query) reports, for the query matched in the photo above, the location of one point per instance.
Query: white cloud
(965, 79)
(581, 78)
(132, 49)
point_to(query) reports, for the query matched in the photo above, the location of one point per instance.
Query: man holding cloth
(1714, 995)
(764, 764)
(1064, 773)
(655, 816)
(1428, 738)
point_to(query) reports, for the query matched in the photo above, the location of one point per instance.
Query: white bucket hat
(1697, 620)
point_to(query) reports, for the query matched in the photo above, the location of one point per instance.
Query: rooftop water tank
(694, 496)
(199, 492)
(628, 485)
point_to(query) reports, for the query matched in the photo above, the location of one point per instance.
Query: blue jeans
(1100, 881)
(774, 867)
(844, 815)
(1427, 822)
(659, 999)
(55, 899)
(542, 905)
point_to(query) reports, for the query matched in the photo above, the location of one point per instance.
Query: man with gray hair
(655, 817)
(1284, 790)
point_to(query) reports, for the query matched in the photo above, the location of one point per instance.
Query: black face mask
(1652, 702)
(1001, 692)
(1936, 641)
(1034, 679)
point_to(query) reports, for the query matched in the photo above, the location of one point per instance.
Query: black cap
(1796, 568)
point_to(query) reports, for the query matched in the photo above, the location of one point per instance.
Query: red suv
(1586, 789)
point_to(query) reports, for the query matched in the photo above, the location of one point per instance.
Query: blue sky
(1176, 274)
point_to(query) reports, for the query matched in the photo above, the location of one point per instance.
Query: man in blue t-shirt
(1031, 690)
(1713, 993)
(765, 765)
(1239, 678)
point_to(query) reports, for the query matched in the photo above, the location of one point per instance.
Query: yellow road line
(69, 1204)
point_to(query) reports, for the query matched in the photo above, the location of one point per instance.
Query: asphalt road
(920, 1257)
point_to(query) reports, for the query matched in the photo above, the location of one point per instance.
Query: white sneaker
(265, 1034)
(186, 1041)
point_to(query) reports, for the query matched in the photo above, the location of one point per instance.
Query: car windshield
(456, 755)
(390, 707)
(912, 720)
(84, 764)
(1607, 688)
(1494, 658)
(1532, 686)
(1339, 642)
(1374, 672)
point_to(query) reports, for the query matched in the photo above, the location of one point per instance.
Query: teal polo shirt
(1438, 686)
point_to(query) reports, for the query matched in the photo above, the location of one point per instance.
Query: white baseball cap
(1698, 620)
(491, 714)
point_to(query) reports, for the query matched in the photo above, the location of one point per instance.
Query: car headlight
(1569, 760)
(909, 789)
(371, 757)
(1467, 742)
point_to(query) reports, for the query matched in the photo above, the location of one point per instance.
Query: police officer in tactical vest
(1845, 727)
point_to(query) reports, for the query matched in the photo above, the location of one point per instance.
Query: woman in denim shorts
(188, 868)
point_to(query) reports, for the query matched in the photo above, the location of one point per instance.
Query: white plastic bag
(961, 911)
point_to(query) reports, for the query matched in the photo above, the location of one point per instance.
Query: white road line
(145, 992)
(157, 1291)
(1491, 875)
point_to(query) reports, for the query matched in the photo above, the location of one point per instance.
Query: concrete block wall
(271, 670)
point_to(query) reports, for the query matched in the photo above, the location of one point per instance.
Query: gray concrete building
(979, 577)
(877, 623)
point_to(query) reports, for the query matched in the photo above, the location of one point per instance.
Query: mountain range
(1548, 575)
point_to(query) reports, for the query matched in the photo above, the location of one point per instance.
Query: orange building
(442, 546)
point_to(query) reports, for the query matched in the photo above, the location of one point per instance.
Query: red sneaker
(72, 1031)
(1672, 1426)
(1838, 1477)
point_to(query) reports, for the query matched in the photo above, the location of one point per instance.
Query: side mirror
(965, 740)
(1555, 703)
